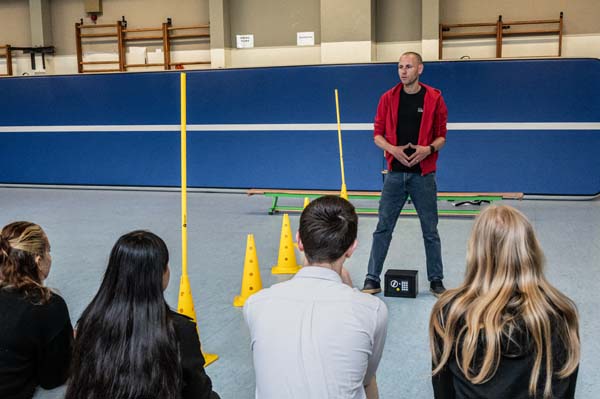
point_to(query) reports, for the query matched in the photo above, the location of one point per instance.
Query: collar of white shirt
(318, 272)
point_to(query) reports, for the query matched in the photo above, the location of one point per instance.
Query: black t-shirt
(35, 344)
(410, 112)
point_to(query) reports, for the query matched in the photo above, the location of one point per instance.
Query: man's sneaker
(371, 287)
(437, 287)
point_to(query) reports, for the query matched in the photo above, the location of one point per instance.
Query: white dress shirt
(314, 337)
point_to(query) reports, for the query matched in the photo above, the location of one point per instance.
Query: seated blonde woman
(505, 332)
(36, 335)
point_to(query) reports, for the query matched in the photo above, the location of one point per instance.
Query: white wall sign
(305, 38)
(245, 41)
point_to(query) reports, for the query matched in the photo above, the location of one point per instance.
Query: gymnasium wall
(274, 23)
(581, 27)
(396, 26)
(582, 16)
(529, 126)
(398, 21)
(14, 18)
(14, 22)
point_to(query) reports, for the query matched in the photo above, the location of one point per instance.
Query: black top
(196, 384)
(35, 344)
(512, 377)
(410, 112)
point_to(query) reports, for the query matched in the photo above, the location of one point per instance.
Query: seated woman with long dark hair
(36, 334)
(505, 332)
(129, 344)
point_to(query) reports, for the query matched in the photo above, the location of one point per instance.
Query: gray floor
(83, 225)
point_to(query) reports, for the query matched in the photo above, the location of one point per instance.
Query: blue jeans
(423, 193)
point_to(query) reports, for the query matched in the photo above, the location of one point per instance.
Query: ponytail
(5, 250)
(20, 243)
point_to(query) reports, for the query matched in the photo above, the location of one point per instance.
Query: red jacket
(433, 122)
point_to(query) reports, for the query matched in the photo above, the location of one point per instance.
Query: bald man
(410, 126)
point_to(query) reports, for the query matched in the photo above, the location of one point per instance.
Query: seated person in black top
(36, 334)
(129, 344)
(506, 332)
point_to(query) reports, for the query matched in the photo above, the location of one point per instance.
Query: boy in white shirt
(314, 336)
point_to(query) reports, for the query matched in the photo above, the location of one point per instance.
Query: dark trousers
(423, 193)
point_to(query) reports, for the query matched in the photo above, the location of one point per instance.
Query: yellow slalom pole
(343, 192)
(185, 304)
(183, 176)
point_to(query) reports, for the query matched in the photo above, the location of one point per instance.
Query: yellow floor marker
(286, 262)
(251, 282)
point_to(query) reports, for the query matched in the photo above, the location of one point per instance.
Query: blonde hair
(504, 289)
(20, 244)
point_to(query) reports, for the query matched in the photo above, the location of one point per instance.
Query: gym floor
(82, 226)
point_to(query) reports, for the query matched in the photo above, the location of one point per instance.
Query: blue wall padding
(105, 99)
(282, 159)
(530, 161)
(475, 91)
(533, 162)
(107, 158)
(519, 90)
(288, 95)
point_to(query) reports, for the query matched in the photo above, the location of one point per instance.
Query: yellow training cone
(344, 192)
(306, 202)
(185, 306)
(251, 282)
(286, 262)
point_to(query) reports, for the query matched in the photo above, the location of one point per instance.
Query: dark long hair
(126, 346)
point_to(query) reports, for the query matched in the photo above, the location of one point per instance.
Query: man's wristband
(431, 148)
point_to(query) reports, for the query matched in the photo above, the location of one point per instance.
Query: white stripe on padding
(526, 126)
(89, 128)
(292, 127)
(280, 127)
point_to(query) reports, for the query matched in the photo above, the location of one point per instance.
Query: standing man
(315, 337)
(410, 126)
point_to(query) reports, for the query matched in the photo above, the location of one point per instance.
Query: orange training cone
(306, 202)
(251, 282)
(185, 306)
(286, 262)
